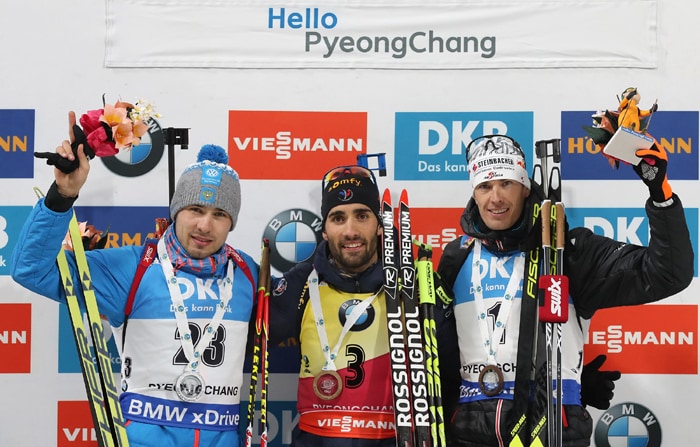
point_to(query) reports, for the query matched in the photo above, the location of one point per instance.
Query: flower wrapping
(92, 238)
(105, 131)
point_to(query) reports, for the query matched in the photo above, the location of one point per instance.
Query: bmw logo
(628, 424)
(363, 322)
(141, 159)
(293, 235)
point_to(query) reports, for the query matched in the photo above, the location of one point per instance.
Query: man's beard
(352, 263)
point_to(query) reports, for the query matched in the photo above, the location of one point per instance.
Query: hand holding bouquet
(105, 131)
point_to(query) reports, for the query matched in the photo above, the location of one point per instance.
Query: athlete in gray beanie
(209, 182)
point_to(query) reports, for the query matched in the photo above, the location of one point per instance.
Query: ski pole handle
(561, 227)
(546, 226)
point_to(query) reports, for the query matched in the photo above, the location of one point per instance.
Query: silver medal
(189, 386)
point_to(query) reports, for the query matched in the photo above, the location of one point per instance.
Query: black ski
(532, 431)
(395, 322)
(553, 304)
(414, 346)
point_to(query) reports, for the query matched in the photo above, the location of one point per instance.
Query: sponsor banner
(75, 426)
(282, 417)
(11, 220)
(412, 34)
(16, 338)
(68, 357)
(17, 143)
(122, 230)
(282, 145)
(628, 424)
(436, 227)
(141, 159)
(676, 132)
(293, 235)
(647, 339)
(432, 145)
(629, 225)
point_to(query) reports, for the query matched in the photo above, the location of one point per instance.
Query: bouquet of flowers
(105, 131)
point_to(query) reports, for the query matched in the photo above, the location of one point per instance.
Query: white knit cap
(497, 157)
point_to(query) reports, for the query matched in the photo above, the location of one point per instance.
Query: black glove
(66, 166)
(597, 386)
(654, 108)
(652, 171)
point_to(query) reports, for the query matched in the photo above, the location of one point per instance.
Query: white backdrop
(53, 60)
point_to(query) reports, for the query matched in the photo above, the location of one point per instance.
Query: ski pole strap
(150, 250)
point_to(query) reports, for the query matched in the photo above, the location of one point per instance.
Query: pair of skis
(259, 371)
(99, 381)
(546, 427)
(412, 341)
(540, 423)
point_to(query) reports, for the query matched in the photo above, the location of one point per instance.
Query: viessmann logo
(15, 337)
(648, 339)
(436, 227)
(284, 145)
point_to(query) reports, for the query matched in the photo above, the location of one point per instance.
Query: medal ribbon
(225, 292)
(491, 342)
(357, 311)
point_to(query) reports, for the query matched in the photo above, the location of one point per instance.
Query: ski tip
(404, 196)
(386, 197)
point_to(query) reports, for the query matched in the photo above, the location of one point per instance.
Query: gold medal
(327, 385)
(189, 386)
(491, 380)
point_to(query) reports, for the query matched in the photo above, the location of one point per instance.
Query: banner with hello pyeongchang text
(410, 34)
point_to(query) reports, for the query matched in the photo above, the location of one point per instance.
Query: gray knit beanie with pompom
(209, 182)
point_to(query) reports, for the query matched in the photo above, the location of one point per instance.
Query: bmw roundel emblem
(293, 235)
(628, 424)
(141, 159)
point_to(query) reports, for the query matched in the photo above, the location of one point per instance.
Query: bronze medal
(327, 385)
(491, 380)
(189, 386)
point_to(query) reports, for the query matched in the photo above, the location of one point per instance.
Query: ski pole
(564, 297)
(258, 347)
(426, 295)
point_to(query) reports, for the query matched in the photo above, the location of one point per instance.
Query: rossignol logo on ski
(413, 406)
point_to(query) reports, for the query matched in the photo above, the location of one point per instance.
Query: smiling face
(202, 230)
(351, 231)
(500, 202)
